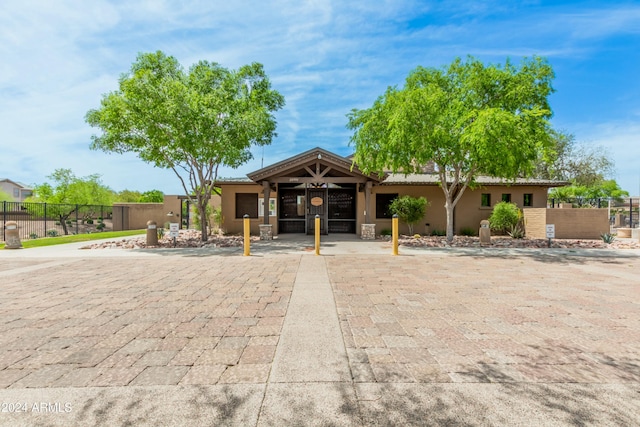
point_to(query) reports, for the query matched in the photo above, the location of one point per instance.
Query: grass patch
(60, 240)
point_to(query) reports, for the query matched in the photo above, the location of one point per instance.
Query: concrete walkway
(354, 337)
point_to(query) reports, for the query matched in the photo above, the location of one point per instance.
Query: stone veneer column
(368, 231)
(265, 232)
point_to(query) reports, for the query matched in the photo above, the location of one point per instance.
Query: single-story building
(318, 182)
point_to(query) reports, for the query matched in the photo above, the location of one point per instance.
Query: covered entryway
(317, 182)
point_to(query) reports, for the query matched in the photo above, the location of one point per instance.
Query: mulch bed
(191, 239)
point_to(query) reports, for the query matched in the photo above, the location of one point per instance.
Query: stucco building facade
(318, 182)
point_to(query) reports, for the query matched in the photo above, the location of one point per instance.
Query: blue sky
(326, 57)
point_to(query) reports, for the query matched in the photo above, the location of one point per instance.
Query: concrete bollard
(12, 237)
(152, 233)
(394, 234)
(485, 232)
(317, 234)
(247, 235)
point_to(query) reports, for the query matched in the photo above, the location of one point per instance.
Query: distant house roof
(16, 183)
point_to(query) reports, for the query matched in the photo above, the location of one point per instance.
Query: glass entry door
(316, 205)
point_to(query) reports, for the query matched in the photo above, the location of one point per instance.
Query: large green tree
(69, 193)
(191, 122)
(580, 164)
(468, 118)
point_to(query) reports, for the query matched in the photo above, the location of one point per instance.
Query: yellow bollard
(317, 234)
(247, 235)
(394, 233)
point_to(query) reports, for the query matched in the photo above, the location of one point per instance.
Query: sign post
(551, 232)
(174, 231)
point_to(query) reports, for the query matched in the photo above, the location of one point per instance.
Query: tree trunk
(449, 208)
(63, 222)
(202, 209)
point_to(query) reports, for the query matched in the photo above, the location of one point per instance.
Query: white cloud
(326, 57)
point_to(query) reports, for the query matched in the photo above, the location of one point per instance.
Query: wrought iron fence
(49, 219)
(623, 211)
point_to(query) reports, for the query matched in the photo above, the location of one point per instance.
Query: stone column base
(368, 231)
(265, 232)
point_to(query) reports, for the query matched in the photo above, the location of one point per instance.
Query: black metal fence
(623, 211)
(49, 219)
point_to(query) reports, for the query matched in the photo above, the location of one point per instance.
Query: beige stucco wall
(435, 214)
(569, 223)
(233, 225)
(468, 212)
(134, 216)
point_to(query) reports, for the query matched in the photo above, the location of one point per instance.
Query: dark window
(485, 199)
(247, 203)
(382, 204)
(506, 198)
(528, 200)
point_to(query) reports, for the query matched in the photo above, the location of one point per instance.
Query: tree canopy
(69, 192)
(191, 122)
(4, 197)
(409, 209)
(151, 196)
(468, 118)
(580, 164)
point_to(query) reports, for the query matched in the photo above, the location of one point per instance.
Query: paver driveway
(427, 338)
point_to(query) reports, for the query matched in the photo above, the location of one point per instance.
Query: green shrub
(409, 209)
(52, 233)
(217, 217)
(608, 238)
(160, 233)
(504, 217)
(386, 232)
(57, 223)
(468, 231)
(89, 221)
(33, 236)
(516, 232)
(439, 233)
(100, 226)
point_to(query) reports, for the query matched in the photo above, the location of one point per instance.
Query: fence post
(630, 212)
(77, 229)
(45, 219)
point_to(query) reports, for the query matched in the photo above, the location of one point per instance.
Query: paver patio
(430, 338)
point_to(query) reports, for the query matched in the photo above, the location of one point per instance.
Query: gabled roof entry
(315, 163)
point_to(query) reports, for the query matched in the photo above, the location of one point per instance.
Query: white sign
(174, 229)
(272, 207)
(551, 231)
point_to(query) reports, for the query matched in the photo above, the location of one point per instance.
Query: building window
(16, 193)
(247, 203)
(485, 200)
(506, 198)
(528, 200)
(382, 204)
